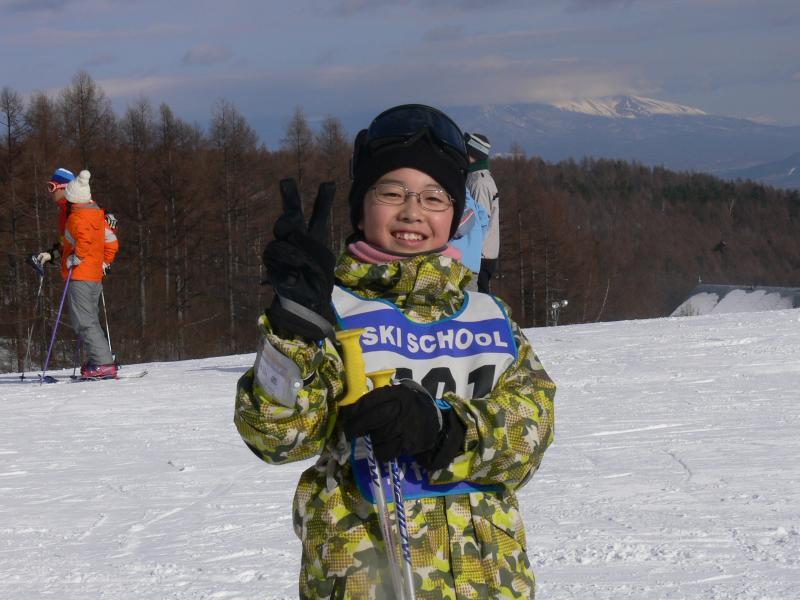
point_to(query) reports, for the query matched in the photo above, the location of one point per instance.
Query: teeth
(408, 236)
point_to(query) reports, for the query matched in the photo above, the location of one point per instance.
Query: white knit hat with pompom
(78, 189)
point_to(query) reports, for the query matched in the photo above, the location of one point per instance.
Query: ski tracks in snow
(672, 475)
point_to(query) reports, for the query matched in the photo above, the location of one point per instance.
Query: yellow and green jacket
(462, 546)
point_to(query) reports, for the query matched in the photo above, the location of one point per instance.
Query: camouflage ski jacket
(463, 546)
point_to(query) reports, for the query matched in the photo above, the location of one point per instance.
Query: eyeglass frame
(408, 193)
(52, 186)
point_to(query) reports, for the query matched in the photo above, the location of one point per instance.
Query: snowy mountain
(648, 131)
(673, 475)
(627, 107)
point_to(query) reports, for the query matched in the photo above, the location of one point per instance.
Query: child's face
(407, 228)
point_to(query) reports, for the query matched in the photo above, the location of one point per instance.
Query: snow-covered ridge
(626, 107)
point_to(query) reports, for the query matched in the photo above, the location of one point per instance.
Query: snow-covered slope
(737, 301)
(674, 474)
(627, 107)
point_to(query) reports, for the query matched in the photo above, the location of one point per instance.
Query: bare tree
(137, 137)
(42, 123)
(41, 119)
(13, 123)
(234, 143)
(334, 153)
(177, 151)
(87, 118)
(298, 142)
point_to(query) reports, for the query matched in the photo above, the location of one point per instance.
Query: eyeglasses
(395, 194)
(404, 125)
(52, 186)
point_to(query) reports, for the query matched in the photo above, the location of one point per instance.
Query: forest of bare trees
(196, 205)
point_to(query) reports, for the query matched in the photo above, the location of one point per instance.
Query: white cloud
(494, 79)
(206, 54)
(342, 89)
(34, 5)
(129, 87)
(99, 59)
(54, 36)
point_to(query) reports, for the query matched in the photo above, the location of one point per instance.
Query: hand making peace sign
(300, 265)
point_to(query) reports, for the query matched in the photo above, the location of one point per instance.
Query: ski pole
(30, 329)
(356, 382)
(108, 331)
(400, 518)
(76, 358)
(55, 326)
(381, 379)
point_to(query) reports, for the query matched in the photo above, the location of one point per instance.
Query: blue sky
(730, 57)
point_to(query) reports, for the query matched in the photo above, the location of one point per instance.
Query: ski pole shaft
(55, 326)
(381, 379)
(400, 518)
(376, 481)
(108, 331)
(77, 356)
(30, 329)
(356, 382)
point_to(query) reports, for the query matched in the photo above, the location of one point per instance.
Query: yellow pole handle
(381, 378)
(355, 375)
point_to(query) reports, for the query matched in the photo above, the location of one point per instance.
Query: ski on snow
(78, 379)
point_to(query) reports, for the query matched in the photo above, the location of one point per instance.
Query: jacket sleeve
(507, 431)
(110, 245)
(483, 217)
(483, 195)
(280, 434)
(81, 232)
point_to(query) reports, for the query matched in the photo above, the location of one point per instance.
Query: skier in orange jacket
(88, 247)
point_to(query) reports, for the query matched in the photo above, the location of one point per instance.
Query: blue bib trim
(415, 481)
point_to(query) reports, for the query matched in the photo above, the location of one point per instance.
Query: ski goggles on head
(52, 186)
(406, 124)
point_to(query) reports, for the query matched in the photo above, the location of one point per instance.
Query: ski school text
(451, 339)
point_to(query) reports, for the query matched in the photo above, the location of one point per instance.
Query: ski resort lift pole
(555, 309)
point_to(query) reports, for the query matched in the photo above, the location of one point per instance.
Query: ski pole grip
(381, 378)
(355, 375)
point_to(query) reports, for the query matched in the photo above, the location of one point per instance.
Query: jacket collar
(426, 287)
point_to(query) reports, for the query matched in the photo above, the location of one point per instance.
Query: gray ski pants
(85, 315)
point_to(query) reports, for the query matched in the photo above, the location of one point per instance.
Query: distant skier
(87, 247)
(484, 189)
(465, 453)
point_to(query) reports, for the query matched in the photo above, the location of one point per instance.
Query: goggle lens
(408, 120)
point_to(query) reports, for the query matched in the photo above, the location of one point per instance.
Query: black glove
(404, 419)
(300, 266)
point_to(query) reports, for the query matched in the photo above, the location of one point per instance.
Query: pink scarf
(375, 256)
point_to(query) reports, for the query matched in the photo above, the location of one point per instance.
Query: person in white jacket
(481, 185)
